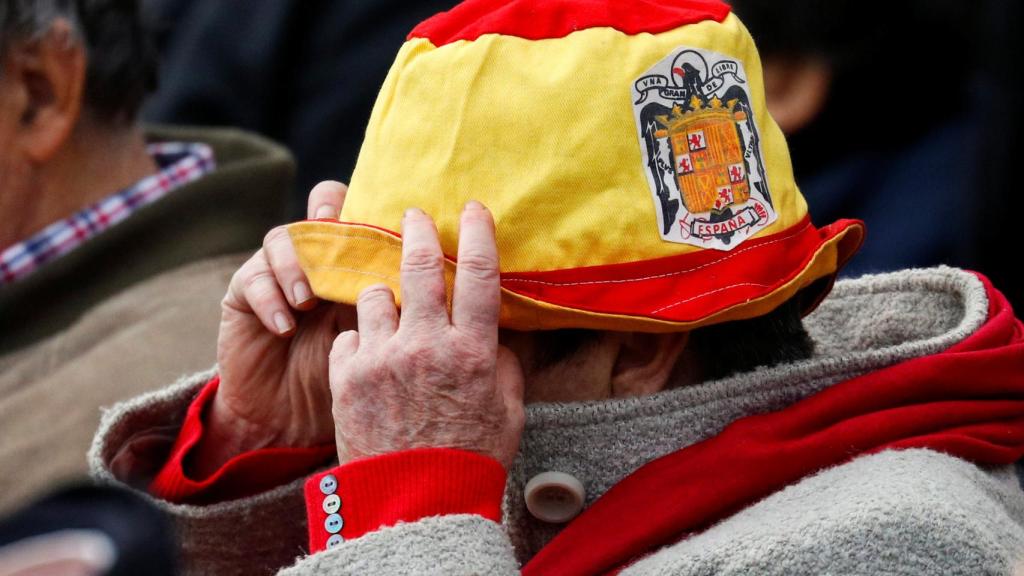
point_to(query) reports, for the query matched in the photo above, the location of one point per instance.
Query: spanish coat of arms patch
(701, 150)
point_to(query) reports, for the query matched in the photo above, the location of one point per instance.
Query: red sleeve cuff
(365, 495)
(244, 475)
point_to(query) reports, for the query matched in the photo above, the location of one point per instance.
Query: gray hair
(22, 20)
(121, 59)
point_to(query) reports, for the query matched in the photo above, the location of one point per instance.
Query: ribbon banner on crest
(719, 73)
(745, 218)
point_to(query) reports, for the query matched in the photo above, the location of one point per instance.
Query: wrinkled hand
(272, 351)
(423, 379)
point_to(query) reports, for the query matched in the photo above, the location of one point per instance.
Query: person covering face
(570, 317)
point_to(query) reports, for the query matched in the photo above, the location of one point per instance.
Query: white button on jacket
(328, 484)
(554, 497)
(334, 524)
(332, 503)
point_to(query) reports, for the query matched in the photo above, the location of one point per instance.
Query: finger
(422, 272)
(476, 300)
(284, 262)
(343, 350)
(325, 200)
(378, 316)
(345, 346)
(253, 289)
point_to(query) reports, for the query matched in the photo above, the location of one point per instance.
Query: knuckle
(375, 293)
(343, 342)
(275, 236)
(480, 264)
(343, 351)
(228, 303)
(238, 278)
(419, 353)
(327, 189)
(254, 264)
(421, 260)
(259, 281)
(261, 289)
(236, 289)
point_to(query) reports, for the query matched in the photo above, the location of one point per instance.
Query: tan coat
(127, 311)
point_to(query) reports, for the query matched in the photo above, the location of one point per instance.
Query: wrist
(226, 436)
(404, 486)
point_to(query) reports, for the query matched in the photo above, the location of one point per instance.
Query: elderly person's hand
(272, 351)
(424, 378)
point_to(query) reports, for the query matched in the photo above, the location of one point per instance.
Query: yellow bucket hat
(624, 148)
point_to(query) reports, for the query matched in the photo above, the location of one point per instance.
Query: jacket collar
(227, 211)
(865, 325)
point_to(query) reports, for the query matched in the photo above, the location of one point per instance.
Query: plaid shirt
(180, 163)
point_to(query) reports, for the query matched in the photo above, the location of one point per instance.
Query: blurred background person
(901, 113)
(88, 531)
(305, 73)
(94, 208)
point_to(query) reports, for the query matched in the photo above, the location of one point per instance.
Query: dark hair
(778, 337)
(121, 59)
(719, 350)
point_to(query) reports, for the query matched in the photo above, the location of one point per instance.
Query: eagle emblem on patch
(701, 150)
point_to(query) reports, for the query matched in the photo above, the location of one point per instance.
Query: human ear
(47, 77)
(797, 89)
(645, 362)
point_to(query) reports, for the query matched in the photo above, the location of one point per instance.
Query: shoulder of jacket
(916, 511)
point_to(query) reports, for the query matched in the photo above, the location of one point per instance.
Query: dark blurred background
(303, 72)
(903, 113)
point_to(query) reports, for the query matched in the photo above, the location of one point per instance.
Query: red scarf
(967, 402)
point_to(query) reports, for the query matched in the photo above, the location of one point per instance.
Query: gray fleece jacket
(912, 512)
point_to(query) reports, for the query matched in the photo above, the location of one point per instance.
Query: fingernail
(413, 212)
(301, 292)
(326, 211)
(473, 205)
(283, 323)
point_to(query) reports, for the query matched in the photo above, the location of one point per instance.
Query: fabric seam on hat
(723, 258)
(709, 293)
(725, 310)
(644, 315)
(666, 274)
